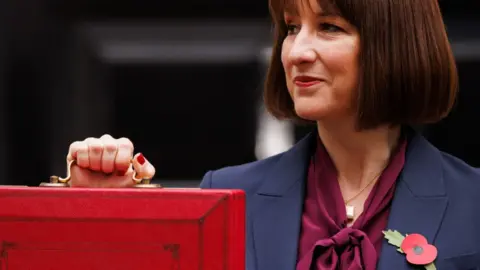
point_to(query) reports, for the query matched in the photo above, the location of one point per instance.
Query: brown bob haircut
(408, 74)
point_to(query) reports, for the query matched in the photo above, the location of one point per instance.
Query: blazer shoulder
(462, 183)
(245, 176)
(457, 170)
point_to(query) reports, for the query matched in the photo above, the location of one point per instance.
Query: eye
(331, 28)
(292, 29)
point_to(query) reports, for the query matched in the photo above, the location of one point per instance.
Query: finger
(124, 155)
(143, 167)
(73, 150)
(109, 154)
(81, 148)
(95, 152)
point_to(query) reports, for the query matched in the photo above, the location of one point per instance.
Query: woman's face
(320, 59)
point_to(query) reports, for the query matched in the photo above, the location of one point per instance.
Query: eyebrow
(324, 13)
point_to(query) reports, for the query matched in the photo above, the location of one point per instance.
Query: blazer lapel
(278, 209)
(418, 206)
(420, 200)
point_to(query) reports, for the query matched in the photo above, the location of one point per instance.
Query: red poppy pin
(415, 246)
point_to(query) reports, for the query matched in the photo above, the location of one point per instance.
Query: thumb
(143, 167)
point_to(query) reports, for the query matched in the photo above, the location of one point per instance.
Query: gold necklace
(350, 209)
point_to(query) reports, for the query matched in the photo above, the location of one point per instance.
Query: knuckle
(109, 144)
(82, 147)
(90, 140)
(106, 137)
(74, 145)
(110, 147)
(95, 145)
(125, 143)
(95, 149)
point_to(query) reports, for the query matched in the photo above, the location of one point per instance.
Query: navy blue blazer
(437, 195)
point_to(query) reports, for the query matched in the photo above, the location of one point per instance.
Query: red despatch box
(76, 228)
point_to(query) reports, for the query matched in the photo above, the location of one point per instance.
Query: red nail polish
(121, 173)
(141, 159)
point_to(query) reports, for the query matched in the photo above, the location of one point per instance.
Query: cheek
(287, 66)
(284, 57)
(350, 70)
(342, 65)
(348, 60)
(349, 76)
(340, 60)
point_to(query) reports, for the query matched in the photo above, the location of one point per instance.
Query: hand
(106, 163)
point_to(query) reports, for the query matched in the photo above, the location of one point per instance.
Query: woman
(365, 71)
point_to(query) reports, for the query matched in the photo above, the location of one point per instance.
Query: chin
(310, 113)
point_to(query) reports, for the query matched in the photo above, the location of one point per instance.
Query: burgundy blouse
(326, 243)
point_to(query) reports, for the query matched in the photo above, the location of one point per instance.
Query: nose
(302, 50)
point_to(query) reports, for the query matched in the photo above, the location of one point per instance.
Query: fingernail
(121, 173)
(141, 159)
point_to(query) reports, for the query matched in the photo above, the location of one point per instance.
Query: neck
(358, 156)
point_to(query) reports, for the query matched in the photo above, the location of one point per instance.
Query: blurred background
(182, 80)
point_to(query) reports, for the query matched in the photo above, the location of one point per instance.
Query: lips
(306, 81)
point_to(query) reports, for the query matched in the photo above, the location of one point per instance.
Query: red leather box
(72, 229)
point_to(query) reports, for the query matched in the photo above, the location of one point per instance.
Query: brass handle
(56, 181)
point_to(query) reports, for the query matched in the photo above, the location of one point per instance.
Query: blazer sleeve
(207, 180)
